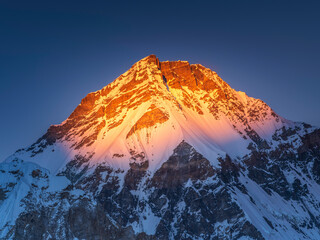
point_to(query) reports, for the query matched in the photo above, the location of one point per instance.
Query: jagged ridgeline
(168, 150)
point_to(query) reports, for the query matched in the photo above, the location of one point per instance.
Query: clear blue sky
(52, 53)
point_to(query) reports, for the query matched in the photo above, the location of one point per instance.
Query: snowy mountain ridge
(166, 151)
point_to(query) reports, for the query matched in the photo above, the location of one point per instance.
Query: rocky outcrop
(149, 119)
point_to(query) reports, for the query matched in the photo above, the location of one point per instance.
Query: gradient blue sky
(52, 53)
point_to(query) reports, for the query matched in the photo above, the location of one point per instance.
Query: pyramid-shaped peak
(154, 101)
(151, 59)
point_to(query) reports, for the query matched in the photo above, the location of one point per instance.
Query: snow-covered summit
(151, 108)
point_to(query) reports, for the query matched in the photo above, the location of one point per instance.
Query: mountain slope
(168, 150)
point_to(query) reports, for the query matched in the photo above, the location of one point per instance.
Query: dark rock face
(196, 198)
(186, 198)
(183, 165)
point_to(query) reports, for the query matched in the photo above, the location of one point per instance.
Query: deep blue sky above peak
(52, 53)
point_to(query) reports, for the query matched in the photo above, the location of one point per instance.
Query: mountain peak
(164, 146)
(154, 106)
(151, 59)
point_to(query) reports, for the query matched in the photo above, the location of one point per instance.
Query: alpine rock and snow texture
(168, 150)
